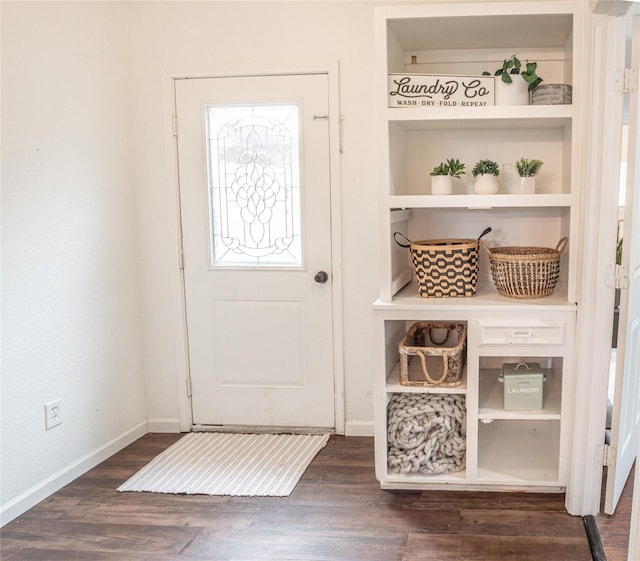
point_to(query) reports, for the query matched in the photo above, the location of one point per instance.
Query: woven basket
(446, 268)
(525, 272)
(441, 348)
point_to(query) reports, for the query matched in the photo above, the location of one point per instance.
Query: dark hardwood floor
(336, 513)
(614, 530)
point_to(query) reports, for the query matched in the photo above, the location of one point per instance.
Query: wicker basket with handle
(444, 268)
(441, 348)
(525, 272)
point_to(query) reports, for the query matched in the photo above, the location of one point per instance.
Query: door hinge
(616, 276)
(174, 125)
(626, 80)
(180, 259)
(188, 386)
(606, 455)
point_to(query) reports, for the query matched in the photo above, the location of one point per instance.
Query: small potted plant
(443, 174)
(527, 170)
(510, 91)
(486, 174)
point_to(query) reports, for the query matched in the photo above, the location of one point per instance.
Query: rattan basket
(440, 346)
(525, 272)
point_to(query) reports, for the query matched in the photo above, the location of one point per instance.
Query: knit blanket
(426, 433)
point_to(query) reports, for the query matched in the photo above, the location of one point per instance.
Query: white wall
(174, 35)
(87, 213)
(70, 274)
(89, 300)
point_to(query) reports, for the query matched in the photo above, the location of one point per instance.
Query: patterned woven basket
(525, 272)
(446, 268)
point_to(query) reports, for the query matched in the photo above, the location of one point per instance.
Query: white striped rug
(251, 465)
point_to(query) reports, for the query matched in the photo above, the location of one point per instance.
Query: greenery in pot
(451, 167)
(528, 168)
(512, 66)
(485, 167)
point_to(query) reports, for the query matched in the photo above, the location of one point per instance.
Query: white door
(625, 427)
(254, 180)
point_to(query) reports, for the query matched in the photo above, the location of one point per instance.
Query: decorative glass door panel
(255, 202)
(254, 186)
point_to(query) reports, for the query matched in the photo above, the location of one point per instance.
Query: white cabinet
(504, 449)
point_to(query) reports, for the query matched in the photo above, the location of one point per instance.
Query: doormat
(248, 465)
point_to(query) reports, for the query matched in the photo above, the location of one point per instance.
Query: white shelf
(506, 450)
(408, 299)
(519, 451)
(415, 371)
(474, 202)
(419, 478)
(490, 399)
(492, 117)
(547, 27)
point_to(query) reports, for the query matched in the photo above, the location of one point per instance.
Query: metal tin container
(552, 94)
(523, 386)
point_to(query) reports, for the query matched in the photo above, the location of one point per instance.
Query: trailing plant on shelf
(512, 66)
(451, 167)
(485, 167)
(528, 168)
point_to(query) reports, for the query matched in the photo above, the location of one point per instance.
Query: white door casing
(260, 337)
(625, 428)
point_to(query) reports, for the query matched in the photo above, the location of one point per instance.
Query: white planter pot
(526, 185)
(516, 93)
(486, 185)
(441, 185)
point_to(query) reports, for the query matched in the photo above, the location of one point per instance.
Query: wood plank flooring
(614, 530)
(336, 513)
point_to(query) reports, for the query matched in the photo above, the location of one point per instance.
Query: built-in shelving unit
(524, 450)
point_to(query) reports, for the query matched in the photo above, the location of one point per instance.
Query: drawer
(525, 333)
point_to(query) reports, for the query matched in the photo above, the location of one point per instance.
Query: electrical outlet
(53, 414)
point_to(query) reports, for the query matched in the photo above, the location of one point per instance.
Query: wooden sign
(427, 90)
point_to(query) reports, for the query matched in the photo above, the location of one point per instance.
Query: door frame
(599, 215)
(178, 304)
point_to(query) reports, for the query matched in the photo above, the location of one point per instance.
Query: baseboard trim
(55, 482)
(163, 425)
(358, 428)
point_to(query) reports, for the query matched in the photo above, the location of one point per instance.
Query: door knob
(321, 277)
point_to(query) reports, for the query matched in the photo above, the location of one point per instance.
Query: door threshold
(262, 429)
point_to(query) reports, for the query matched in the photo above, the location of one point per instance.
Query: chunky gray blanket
(426, 433)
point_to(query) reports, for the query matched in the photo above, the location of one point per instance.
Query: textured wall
(70, 278)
